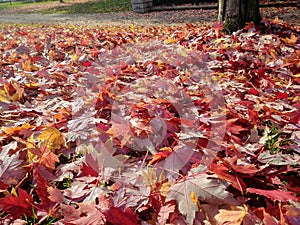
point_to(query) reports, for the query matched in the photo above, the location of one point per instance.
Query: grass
(8, 5)
(100, 6)
(93, 6)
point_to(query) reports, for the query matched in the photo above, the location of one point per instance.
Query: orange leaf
(14, 130)
(48, 158)
(291, 41)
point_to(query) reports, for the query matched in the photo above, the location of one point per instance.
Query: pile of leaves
(150, 125)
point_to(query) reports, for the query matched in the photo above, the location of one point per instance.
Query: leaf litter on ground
(135, 121)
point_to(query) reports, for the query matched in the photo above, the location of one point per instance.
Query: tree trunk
(236, 13)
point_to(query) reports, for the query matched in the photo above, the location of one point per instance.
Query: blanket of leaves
(150, 125)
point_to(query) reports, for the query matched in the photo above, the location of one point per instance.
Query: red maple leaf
(274, 195)
(17, 206)
(282, 95)
(42, 190)
(117, 217)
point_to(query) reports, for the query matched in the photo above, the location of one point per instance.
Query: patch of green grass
(35, 220)
(18, 4)
(93, 6)
(276, 141)
(100, 6)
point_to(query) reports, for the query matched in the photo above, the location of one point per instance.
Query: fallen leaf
(11, 92)
(274, 195)
(234, 216)
(19, 205)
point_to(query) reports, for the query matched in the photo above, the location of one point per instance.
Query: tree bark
(236, 13)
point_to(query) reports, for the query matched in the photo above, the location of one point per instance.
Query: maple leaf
(165, 211)
(135, 188)
(239, 128)
(282, 95)
(52, 138)
(102, 156)
(85, 214)
(121, 130)
(234, 216)
(292, 40)
(48, 159)
(170, 41)
(11, 92)
(205, 187)
(179, 161)
(55, 195)
(268, 219)
(292, 214)
(43, 156)
(17, 205)
(164, 153)
(28, 66)
(16, 129)
(242, 168)
(274, 195)
(115, 216)
(278, 159)
(41, 190)
(11, 170)
(222, 171)
(78, 190)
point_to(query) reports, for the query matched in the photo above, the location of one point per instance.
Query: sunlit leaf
(11, 92)
(52, 138)
(202, 186)
(234, 216)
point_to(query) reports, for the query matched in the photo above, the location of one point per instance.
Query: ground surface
(149, 124)
(27, 15)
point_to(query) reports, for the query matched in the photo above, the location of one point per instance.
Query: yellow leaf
(13, 192)
(75, 57)
(51, 138)
(31, 157)
(11, 92)
(30, 142)
(219, 40)
(30, 145)
(28, 66)
(150, 177)
(170, 41)
(164, 188)
(160, 63)
(235, 45)
(225, 46)
(194, 197)
(32, 86)
(232, 217)
(292, 40)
